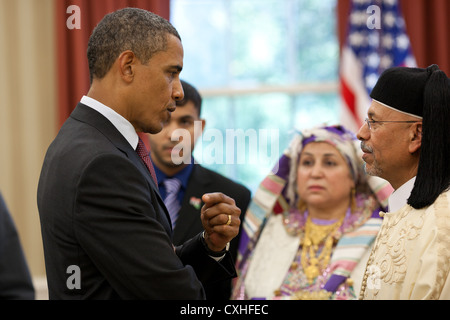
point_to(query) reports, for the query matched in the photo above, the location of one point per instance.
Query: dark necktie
(172, 186)
(145, 156)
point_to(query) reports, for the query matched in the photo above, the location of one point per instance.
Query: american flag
(376, 40)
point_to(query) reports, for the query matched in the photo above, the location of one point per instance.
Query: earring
(301, 205)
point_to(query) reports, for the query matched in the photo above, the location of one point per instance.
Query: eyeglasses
(371, 122)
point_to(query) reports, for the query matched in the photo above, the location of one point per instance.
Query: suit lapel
(191, 204)
(92, 117)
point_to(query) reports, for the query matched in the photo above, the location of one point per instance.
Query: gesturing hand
(220, 218)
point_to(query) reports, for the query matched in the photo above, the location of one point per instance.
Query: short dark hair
(138, 30)
(190, 94)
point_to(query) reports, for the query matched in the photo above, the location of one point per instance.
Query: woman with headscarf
(312, 221)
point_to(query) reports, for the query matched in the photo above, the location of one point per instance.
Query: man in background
(172, 160)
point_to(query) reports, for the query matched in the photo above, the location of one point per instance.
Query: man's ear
(126, 63)
(415, 137)
(203, 124)
(199, 131)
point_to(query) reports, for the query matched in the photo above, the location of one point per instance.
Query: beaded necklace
(316, 234)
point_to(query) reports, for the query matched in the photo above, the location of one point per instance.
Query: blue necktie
(172, 186)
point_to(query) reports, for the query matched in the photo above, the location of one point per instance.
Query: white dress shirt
(121, 124)
(399, 197)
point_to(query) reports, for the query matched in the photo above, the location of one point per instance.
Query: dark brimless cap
(403, 88)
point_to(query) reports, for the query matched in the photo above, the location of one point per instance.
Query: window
(264, 69)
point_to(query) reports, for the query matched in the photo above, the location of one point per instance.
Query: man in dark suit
(106, 231)
(172, 158)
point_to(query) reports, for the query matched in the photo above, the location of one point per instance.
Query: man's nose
(177, 91)
(363, 132)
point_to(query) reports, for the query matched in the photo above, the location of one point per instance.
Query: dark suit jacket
(15, 277)
(101, 212)
(189, 224)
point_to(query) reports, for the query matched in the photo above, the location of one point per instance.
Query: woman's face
(323, 176)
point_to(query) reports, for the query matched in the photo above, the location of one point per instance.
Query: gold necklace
(314, 236)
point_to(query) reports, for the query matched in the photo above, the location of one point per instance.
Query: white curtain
(27, 113)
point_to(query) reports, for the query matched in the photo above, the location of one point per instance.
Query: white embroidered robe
(411, 255)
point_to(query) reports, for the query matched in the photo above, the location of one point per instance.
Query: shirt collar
(183, 175)
(121, 124)
(399, 197)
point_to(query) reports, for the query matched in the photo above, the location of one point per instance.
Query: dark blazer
(15, 277)
(203, 181)
(101, 211)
